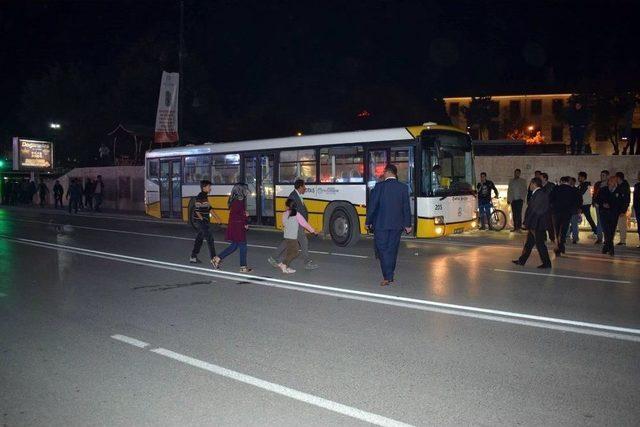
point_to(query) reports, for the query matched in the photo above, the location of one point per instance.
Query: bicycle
(497, 218)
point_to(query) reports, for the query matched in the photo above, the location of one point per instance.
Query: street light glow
(54, 125)
(299, 134)
(530, 128)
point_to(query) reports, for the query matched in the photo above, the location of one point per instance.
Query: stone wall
(499, 169)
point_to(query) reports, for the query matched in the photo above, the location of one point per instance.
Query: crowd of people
(79, 197)
(554, 210)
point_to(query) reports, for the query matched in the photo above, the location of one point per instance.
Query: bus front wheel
(343, 227)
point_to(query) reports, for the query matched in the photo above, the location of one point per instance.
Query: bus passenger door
(171, 188)
(258, 175)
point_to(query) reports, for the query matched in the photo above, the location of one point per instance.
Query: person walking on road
(74, 195)
(604, 177)
(565, 202)
(547, 187)
(297, 196)
(98, 192)
(610, 202)
(201, 218)
(584, 188)
(636, 205)
(485, 187)
(58, 192)
(388, 214)
(292, 222)
(625, 195)
(516, 194)
(237, 227)
(43, 190)
(536, 219)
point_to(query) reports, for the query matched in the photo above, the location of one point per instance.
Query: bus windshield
(447, 164)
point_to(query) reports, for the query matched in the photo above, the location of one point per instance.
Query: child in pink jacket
(291, 220)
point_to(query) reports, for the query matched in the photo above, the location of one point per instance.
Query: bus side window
(153, 170)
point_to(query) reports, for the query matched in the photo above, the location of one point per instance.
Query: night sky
(248, 62)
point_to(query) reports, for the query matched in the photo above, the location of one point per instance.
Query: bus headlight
(439, 220)
(439, 230)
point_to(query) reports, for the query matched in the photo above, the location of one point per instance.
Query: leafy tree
(479, 114)
(610, 115)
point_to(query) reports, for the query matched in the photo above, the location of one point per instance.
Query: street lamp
(530, 128)
(54, 125)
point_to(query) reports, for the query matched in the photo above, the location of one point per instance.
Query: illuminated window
(342, 164)
(297, 164)
(197, 168)
(225, 169)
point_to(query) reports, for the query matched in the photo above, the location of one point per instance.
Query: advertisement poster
(167, 116)
(30, 154)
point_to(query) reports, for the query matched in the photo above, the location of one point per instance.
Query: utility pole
(180, 72)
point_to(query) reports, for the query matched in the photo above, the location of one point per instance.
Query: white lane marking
(129, 340)
(593, 279)
(165, 236)
(282, 390)
(566, 325)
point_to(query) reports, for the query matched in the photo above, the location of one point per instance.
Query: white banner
(167, 116)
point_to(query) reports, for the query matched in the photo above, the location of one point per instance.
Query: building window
(494, 108)
(494, 130)
(196, 169)
(601, 135)
(297, 164)
(342, 164)
(557, 133)
(514, 108)
(557, 105)
(536, 107)
(454, 109)
(225, 169)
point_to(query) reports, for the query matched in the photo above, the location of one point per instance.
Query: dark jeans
(387, 243)
(577, 134)
(535, 238)
(73, 204)
(586, 211)
(599, 225)
(204, 233)
(485, 211)
(43, 199)
(560, 227)
(232, 248)
(516, 213)
(609, 224)
(58, 200)
(97, 198)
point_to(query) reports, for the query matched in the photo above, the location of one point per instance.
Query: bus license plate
(458, 230)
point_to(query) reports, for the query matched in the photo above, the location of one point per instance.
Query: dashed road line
(564, 276)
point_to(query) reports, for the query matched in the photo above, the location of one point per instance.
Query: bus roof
(339, 138)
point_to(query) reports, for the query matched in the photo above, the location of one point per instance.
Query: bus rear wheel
(343, 227)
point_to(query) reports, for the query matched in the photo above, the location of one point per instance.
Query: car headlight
(439, 220)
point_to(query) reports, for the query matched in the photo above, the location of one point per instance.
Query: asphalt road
(104, 322)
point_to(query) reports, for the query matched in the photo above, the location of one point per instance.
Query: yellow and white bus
(339, 169)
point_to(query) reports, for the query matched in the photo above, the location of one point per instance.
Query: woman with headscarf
(237, 227)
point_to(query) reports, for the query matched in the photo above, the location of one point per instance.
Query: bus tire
(344, 226)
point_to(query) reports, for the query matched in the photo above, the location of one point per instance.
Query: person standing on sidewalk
(388, 214)
(610, 202)
(237, 227)
(43, 190)
(636, 205)
(484, 188)
(201, 218)
(297, 196)
(625, 197)
(536, 219)
(564, 203)
(604, 177)
(98, 192)
(58, 192)
(516, 194)
(584, 188)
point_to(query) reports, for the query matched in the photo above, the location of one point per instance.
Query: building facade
(529, 114)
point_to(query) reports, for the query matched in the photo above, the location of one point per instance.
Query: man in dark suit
(565, 202)
(298, 203)
(536, 220)
(388, 214)
(547, 187)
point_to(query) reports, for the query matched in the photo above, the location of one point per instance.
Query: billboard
(167, 114)
(32, 155)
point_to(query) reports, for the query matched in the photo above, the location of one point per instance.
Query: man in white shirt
(515, 197)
